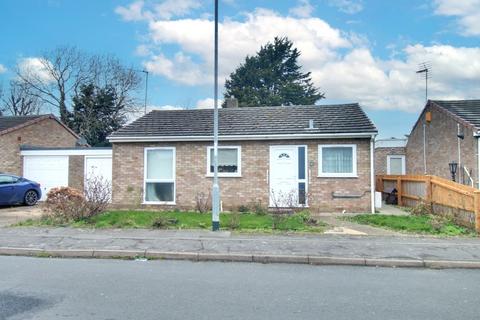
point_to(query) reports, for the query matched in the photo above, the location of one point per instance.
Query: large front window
(160, 175)
(337, 160)
(229, 161)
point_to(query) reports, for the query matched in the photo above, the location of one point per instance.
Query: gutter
(477, 136)
(241, 137)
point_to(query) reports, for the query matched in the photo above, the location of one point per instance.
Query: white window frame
(145, 180)
(352, 174)
(396, 156)
(237, 174)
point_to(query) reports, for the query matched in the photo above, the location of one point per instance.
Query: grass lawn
(424, 224)
(188, 220)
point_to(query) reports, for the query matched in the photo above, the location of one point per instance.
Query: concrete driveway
(15, 214)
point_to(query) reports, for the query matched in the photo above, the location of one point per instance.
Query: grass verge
(247, 222)
(424, 224)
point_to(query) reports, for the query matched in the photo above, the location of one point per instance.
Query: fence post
(428, 194)
(476, 205)
(399, 191)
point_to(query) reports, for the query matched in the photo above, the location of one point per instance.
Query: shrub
(65, 204)
(202, 201)
(422, 209)
(98, 191)
(243, 208)
(258, 208)
(234, 221)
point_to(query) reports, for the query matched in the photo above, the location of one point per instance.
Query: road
(45, 288)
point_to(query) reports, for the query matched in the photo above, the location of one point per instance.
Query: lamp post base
(215, 225)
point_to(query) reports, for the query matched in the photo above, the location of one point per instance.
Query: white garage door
(100, 167)
(49, 171)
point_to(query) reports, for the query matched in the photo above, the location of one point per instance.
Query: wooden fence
(446, 197)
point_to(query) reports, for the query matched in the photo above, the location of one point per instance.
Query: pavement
(388, 251)
(99, 289)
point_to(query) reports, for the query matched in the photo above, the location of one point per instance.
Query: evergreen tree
(95, 114)
(272, 77)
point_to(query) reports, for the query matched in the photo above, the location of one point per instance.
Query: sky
(364, 51)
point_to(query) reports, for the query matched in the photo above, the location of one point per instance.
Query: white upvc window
(159, 175)
(229, 161)
(396, 164)
(337, 160)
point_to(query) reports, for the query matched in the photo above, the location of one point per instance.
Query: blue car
(17, 190)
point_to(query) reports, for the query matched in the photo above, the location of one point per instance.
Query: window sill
(165, 203)
(352, 176)
(225, 175)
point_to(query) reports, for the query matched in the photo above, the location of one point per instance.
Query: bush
(259, 209)
(203, 203)
(65, 204)
(243, 208)
(422, 209)
(234, 221)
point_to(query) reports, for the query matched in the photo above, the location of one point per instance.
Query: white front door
(49, 171)
(284, 175)
(98, 168)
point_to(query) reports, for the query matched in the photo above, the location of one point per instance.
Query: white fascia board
(240, 137)
(67, 152)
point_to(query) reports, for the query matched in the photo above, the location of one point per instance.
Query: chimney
(231, 102)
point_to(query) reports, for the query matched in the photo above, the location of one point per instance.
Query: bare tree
(107, 71)
(19, 100)
(55, 76)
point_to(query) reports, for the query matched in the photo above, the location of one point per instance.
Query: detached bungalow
(315, 156)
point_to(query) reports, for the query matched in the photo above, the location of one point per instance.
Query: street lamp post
(216, 187)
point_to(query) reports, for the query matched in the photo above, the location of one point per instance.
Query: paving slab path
(206, 245)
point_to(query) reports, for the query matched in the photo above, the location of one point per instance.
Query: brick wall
(381, 157)
(76, 172)
(45, 133)
(191, 164)
(441, 146)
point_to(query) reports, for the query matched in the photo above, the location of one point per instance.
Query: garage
(66, 167)
(49, 171)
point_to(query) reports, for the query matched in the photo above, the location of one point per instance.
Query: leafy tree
(96, 114)
(272, 77)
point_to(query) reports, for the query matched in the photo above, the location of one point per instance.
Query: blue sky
(357, 50)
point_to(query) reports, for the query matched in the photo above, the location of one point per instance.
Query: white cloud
(35, 67)
(167, 9)
(207, 103)
(341, 63)
(304, 9)
(347, 6)
(467, 12)
(2, 68)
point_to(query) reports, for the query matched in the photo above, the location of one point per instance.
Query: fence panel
(446, 197)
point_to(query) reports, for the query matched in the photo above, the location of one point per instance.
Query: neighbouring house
(446, 132)
(390, 156)
(315, 156)
(43, 149)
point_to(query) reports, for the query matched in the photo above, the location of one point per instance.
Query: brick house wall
(45, 133)
(76, 174)
(381, 157)
(441, 145)
(191, 167)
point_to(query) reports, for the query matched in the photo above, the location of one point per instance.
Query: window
(337, 160)
(160, 175)
(4, 179)
(395, 164)
(229, 161)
